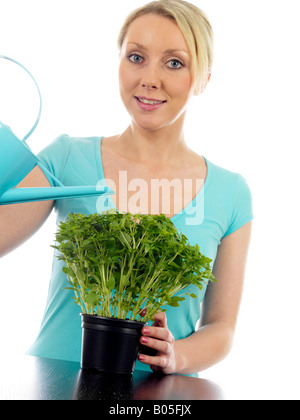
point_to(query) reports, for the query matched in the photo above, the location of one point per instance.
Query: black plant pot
(110, 344)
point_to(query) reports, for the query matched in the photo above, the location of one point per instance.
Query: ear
(205, 83)
(202, 88)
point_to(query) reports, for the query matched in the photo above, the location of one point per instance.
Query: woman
(161, 68)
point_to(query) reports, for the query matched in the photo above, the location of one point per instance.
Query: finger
(142, 313)
(158, 333)
(160, 319)
(161, 346)
(154, 361)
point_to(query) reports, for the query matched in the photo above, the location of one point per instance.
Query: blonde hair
(195, 27)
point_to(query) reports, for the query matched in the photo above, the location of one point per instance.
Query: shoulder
(61, 146)
(66, 151)
(65, 141)
(220, 172)
(225, 180)
(230, 193)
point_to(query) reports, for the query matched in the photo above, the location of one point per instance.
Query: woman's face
(155, 72)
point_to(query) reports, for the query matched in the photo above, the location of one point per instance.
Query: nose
(149, 86)
(151, 77)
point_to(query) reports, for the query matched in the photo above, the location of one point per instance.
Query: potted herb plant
(118, 264)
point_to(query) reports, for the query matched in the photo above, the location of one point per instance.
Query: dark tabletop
(34, 378)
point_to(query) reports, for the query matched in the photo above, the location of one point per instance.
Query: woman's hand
(158, 337)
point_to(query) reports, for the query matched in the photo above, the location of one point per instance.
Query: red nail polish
(141, 357)
(145, 339)
(146, 330)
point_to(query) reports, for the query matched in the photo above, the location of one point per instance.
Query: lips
(149, 101)
(149, 104)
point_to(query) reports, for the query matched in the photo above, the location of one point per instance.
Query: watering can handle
(39, 115)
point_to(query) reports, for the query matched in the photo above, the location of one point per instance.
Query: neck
(166, 145)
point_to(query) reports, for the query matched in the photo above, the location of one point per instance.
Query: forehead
(152, 30)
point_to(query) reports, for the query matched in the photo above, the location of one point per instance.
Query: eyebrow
(168, 51)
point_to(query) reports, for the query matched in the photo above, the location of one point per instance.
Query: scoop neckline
(184, 211)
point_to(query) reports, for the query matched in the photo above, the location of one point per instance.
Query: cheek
(179, 84)
(126, 78)
(183, 87)
(121, 79)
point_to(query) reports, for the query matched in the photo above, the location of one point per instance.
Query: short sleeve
(54, 156)
(241, 209)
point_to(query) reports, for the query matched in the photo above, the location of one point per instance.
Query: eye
(135, 58)
(174, 64)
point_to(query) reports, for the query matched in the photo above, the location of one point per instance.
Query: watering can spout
(27, 195)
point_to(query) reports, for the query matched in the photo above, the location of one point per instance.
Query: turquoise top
(222, 206)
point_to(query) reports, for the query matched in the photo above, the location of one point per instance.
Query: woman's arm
(19, 221)
(213, 341)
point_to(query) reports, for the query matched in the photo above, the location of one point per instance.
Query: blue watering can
(17, 160)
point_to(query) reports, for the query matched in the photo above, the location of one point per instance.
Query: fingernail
(141, 357)
(146, 330)
(145, 339)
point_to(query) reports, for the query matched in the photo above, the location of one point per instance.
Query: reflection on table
(33, 378)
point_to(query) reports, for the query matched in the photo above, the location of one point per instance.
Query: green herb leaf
(117, 263)
(111, 282)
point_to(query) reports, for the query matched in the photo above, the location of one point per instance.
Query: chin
(149, 127)
(150, 122)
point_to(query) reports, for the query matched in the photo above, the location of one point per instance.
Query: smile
(149, 101)
(148, 104)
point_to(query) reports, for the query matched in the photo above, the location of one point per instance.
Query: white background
(246, 121)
